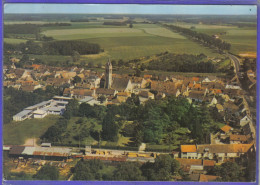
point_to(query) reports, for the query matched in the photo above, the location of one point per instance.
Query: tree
(137, 72)
(75, 56)
(128, 171)
(76, 79)
(47, 172)
(130, 25)
(90, 64)
(88, 170)
(109, 128)
(99, 65)
(120, 63)
(114, 63)
(229, 172)
(162, 169)
(71, 109)
(102, 99)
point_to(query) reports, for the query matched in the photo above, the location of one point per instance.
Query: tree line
(28, 28)
(201, 37)
(163, 169)
(54, 47)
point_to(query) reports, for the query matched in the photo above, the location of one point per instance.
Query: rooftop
(188, 148)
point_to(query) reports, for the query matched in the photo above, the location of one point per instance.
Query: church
(119, 84)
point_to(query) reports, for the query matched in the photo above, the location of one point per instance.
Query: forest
(54, 47)
(182, 63)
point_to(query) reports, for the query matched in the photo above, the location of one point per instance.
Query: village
(232, 142)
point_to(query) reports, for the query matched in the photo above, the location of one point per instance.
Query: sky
(130, 9)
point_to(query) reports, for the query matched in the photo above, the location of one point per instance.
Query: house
(122, 85)
(238, 139)
(93, 80)
(219, 152)
(105, 92)
(148, 77)
(138, 82)
(219, 107)
(89, 100)
(27, 88)
(68, 75)
(168, 88)
(189, 151)
(122, 96)
(195, 79)
(233, 87)
(244, 121)
(209, 79)
(213, 102)
(145, 95)
(207, 178)
(226, 129)
(249, 129)
(196, 96)
(222, 152)
(78, 93)
(57, 82)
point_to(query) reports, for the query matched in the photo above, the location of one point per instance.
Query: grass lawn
(160, 147)
(15, 133)
(74, 130)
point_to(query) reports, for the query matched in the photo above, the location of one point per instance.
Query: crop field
(15, 133)
(121, 42)
(242, 40)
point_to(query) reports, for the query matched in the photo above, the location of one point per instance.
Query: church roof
(120, 84)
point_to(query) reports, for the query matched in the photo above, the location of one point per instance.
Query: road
(236, 62)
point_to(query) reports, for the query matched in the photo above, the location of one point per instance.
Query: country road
(236, 62)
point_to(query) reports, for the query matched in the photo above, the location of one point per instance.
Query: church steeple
(108, 75)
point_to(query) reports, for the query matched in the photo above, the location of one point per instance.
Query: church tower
(108, 75)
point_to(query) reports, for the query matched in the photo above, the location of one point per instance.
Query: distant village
(235, 139)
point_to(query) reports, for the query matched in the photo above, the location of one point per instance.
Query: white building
(219, 152)
(39, 113)
(23, 115)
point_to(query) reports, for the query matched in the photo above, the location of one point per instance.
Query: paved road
(236, 62)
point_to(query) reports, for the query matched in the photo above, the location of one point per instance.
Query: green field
(73, 130)
(16, 133)
(126, 43)
(14, 41)
(242, 40)
(119, 42)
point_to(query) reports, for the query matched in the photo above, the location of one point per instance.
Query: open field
(243, 40)
(16, 133)
(126, 43)
(14, 41)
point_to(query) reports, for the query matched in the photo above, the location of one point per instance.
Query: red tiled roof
(226, 128)
(188, 148)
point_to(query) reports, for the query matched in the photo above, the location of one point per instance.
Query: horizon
(136, 9)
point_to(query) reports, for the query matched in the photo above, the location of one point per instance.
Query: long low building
(56, 106)
(40, 152)
(219, 152)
